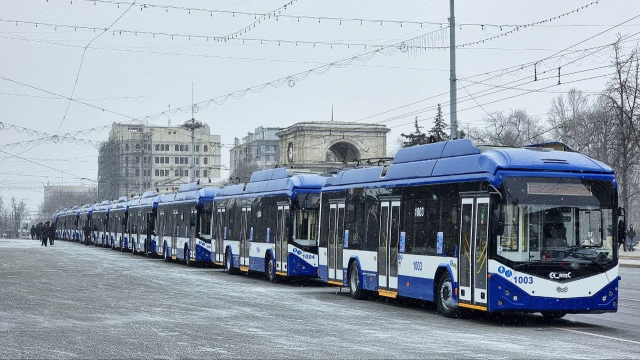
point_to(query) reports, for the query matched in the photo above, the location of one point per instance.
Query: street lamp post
(192, 125)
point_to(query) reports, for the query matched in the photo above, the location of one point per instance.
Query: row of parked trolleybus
(492, 229)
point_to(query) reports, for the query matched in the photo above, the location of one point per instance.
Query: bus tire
(553, 315)
(270, 270)
(444, 297)
(228, 266)
(355, 288)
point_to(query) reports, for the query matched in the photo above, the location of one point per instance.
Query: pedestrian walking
(53, 233)
(33, 232)
(631, 234)
(42, 234)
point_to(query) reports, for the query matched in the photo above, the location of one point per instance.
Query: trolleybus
(269, 224)
(492, 229)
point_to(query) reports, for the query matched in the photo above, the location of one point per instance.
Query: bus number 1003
(523, 279)
(417, 265)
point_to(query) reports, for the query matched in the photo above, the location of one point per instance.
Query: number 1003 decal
(523, 279)
(417, 265)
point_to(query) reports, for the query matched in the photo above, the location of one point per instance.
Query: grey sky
(138, 75)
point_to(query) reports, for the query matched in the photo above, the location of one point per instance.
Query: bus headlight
(604, 298)
(610, 292)
(506, 292)
(515, 297)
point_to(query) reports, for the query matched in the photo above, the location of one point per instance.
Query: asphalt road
(72, 301)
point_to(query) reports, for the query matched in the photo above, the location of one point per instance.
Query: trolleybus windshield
(543, 220)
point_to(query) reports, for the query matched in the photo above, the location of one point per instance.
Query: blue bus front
(545, 243)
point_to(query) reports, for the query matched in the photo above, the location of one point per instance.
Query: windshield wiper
(586, 257)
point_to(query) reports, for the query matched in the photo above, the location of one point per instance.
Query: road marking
(631, 306)
(602, 336)
(626, 299)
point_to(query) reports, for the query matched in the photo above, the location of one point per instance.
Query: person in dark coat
(33, 232)
(44, 230)
(50, 232)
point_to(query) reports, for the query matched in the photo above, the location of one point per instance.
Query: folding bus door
(221, 235)
(472, 256)
(245, 236)
(336, 243)
(388, 247)
(282, 247)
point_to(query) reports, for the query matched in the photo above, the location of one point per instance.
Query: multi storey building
(258, 151)
(138, 157)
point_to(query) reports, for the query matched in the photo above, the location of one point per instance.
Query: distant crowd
(45, 232)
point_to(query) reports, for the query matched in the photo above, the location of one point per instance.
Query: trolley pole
(452, 77)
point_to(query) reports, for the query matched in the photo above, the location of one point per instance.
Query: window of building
(137, 172)
(197, 160)
(177, 173)
(205, 160)
(176, 148)
(205, 173)
(137, 159)
(126, 147)
(166, 159)
(177, 160)
(206, 148)
(197, 173)
(157, 147)
(157, 160)
(157, 172)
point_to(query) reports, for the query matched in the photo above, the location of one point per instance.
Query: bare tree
(243, 172)
(623, 95)
(515, 129)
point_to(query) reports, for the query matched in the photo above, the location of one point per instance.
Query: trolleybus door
(282, 247)
(174, 234)
(336, 244)
(220, 236)
(388, 245)
(245, 237)
(472, 257)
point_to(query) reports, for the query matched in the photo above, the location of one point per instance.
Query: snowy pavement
(72, 301)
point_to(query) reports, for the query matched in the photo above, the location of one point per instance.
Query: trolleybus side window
(449, 223)
(324, 226)
(373, 223)
(408, 225)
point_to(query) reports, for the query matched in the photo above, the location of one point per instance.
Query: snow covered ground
(71, 301)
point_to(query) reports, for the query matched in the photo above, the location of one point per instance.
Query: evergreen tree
(437, 133)
(416, 138)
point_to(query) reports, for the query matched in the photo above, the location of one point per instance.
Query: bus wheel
(444, 297)
(164, 253)
(553, 315)
(227, 263)
(355, 289)
(271, 270)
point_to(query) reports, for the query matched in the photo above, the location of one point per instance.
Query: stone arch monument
(326, 145)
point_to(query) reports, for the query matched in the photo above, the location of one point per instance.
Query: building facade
(257, 151)
(139, 157)
(329, 145)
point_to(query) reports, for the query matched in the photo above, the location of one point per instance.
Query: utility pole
(192, 125)
(140, 153)
(452, 77)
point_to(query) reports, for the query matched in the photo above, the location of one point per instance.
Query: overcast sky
(133, 75)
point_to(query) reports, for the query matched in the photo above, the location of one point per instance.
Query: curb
(629, 265)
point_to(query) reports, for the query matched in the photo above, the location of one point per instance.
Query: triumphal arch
(329, 145)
